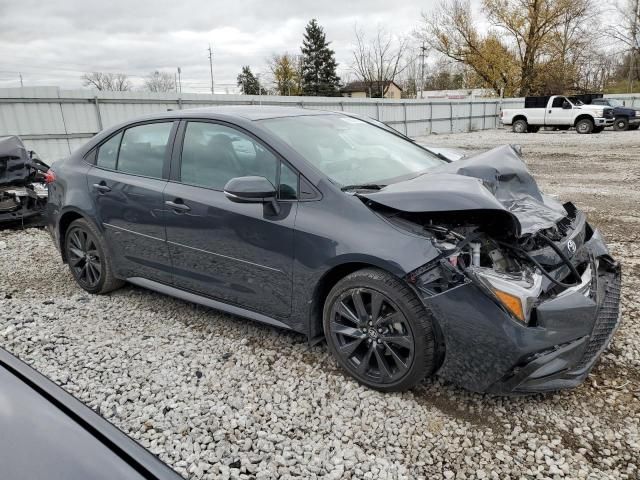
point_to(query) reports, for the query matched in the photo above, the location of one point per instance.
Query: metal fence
(54, 122)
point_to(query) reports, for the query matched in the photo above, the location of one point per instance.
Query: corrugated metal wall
(54, 122)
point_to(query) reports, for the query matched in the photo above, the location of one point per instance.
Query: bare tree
(116, 82)
(378, 62)
(160, 82)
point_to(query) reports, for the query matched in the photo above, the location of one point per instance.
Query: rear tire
(86, 254)
(584, 126)
(634, 127)
(379, 331)
(621, 124)
(520, 126)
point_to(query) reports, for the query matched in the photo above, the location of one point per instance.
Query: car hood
(496, 180)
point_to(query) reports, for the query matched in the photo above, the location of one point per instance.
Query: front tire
(379, 331)
(621, 124)
(520, 126)
(584, 126)
(85, 252)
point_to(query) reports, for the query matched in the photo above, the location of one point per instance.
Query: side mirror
(251, 190)
(566, 106)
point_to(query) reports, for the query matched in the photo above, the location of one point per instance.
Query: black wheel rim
(84, 258)
(371, 335)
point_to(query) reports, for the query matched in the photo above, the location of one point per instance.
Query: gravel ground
(216, 396)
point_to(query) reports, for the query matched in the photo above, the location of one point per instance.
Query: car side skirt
(206, 301)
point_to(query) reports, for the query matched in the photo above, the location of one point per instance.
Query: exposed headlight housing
(599, 112)
(518, 293)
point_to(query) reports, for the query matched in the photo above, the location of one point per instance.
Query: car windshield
(576, 101)
(351, 151)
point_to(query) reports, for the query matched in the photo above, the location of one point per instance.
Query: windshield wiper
(363, 186)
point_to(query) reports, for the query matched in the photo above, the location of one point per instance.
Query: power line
(211, 67)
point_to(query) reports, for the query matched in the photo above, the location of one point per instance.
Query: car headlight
(598, 113)
(518, 293)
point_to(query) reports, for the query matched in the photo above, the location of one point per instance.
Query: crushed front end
(520, 315)
(23, 192)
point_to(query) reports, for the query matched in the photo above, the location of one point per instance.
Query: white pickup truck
(561, 112)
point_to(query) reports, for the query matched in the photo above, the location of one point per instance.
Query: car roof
(247, 112)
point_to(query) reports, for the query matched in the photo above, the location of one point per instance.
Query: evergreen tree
(318, 70)
(248, 82)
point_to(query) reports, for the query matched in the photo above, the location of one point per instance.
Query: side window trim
(176, 160)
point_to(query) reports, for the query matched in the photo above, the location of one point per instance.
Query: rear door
(557, 115)
(127, 184)
(239, 253)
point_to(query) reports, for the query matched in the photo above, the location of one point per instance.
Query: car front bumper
(604, 122)
(486, 350)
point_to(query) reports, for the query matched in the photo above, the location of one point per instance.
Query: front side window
(108, 152)
(143, 149)
(350, 151)
(558, 102)
(213, 154)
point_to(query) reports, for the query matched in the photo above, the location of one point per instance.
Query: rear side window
(143, 149)
(108, 152)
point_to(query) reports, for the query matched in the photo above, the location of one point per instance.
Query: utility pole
(175, 81)
(21, 84)
(634, 44)
(211, 67)
(180, 79)
(423, 49)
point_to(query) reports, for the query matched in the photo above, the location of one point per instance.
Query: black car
(49, 435)
(340, 228)
(626, 118)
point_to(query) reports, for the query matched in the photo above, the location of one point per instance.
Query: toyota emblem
(571, 247)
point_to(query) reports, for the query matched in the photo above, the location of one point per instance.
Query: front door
(557, 115)
(127, 186)
(238, 253)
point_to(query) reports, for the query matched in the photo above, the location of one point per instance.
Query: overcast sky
(52, 42)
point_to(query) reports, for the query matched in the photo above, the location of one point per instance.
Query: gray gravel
(216, 396)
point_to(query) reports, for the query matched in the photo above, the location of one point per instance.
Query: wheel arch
(519, 117)
(328, 280)
(582, 117)
(69, 216)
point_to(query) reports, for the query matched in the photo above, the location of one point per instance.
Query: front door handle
(102, 187)
(178, 206)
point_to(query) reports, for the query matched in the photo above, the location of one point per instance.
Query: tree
(115, 82)
(285, 69)
(318, 69)
(248, 83)
(628, 33)
(160, 82)
(379, 61)
(529, 40)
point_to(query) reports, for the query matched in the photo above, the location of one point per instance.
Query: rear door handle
(101, 187)
(179, 206)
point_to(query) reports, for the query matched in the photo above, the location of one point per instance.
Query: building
(365, 89)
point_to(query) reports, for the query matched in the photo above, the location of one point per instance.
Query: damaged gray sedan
(23, 192)
(407, 263)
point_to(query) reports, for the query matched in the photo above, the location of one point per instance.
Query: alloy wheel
(84, 258)
(371, 335)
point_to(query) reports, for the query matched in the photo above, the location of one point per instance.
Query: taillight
(49, 177)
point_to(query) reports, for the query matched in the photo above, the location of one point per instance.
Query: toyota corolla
(407, 263)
